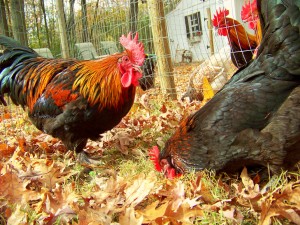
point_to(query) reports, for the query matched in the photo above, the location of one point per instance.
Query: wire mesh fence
(187, 42)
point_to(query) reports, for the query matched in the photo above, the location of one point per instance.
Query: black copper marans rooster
(255, 118)
(73, 100)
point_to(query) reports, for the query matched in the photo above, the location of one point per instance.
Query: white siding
(177, 31)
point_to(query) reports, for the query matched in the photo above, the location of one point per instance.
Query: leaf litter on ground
(41, 182)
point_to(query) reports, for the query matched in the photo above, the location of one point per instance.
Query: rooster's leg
(84, 159)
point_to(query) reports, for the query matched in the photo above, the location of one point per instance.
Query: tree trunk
(8, 17)
(71, 27)
(161, 46)
(95, 18)
(133, 15)
(85, 34)
(62, 29)
(18, 21)
(42, 5)
(37, 25)
(3, 21)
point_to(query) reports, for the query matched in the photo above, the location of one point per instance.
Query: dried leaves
(39, 184)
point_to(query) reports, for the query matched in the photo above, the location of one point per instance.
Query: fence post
(62, 29)
(210, 32)
(162, 48)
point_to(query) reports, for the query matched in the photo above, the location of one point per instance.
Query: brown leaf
(154, 211)
(163, 109)
(139, 189)
(130, 218)
(284, 202)
(6, 150)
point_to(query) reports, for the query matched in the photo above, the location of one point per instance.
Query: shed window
(193, 26)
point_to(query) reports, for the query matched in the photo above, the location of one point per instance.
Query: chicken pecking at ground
(255, 118)
(73, 100)
(242, 44)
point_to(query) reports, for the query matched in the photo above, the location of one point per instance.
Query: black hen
(147, 80)
(255, 118)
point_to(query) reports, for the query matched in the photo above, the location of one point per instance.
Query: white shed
(188, 30)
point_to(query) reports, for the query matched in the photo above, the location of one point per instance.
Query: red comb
(134, 48)
(220, 15)
(154, 157)
(249, 13)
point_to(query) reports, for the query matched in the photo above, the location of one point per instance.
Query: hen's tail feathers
(11, 63)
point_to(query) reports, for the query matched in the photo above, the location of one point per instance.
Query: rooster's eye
(126, 59)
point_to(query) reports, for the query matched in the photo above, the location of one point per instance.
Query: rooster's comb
(220, 15)
(134, 48)
(249, 13)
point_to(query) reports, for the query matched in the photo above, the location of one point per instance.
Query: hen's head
(249, 14)
(165, 164)
(130, 63)
(220, 21)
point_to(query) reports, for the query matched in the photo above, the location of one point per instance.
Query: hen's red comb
(134, 49)
(220, 15)
(154, 157)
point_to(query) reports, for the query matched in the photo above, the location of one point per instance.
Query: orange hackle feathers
(234, 29)
(99, 81)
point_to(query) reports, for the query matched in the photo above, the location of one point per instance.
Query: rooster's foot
(84, 159)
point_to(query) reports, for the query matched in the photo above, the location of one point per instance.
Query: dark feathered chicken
(255, 118)
(73, 100)
(147, 81)
(242, 44)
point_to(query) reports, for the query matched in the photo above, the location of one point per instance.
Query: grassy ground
(42, 183)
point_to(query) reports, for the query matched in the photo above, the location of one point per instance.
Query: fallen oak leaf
(250, 190)
(283, 202)
(129, 217)
(233, 214)
(139, 189)
(153, 211)
(6, 150)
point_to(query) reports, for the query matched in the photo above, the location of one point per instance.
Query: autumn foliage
(42, 183)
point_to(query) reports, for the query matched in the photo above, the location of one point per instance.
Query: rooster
(73, 100)
(242, 44)
(255, 118)
(250, 15)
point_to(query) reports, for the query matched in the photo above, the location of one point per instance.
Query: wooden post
(210, 32)
(65, 52)
(161, 46)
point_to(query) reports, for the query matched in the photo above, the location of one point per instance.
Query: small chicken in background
(255, 118)
(242, 44)
(147, 81)
(73, 100)
(249, 14)
(217, 69)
